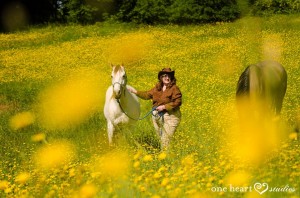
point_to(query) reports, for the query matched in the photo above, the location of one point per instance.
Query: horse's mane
(117, 68)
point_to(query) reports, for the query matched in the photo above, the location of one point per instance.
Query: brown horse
(260, 92)
(261, 87)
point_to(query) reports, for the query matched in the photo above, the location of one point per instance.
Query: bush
(177, 11)
(266, 7)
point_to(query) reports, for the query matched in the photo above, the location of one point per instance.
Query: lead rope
(161, 124)
(146, 115)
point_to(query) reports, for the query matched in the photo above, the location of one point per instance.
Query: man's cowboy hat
(166, 71)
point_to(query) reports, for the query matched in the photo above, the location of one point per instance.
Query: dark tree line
(15, 14)
(18, 13)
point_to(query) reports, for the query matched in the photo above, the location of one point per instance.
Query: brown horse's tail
(250, 82)
(243, 85)
(264, 85)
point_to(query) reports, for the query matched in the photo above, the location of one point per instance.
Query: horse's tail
(243, 85)
(249, 91)
(247, 87)
(257, 83)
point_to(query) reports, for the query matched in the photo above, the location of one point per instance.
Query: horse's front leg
(110, 132)
(121, 120)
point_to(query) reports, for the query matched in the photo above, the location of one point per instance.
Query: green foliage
(77, 11)
(265, 7)
(176, 11)
(149, 11)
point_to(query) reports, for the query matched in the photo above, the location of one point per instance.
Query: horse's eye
(111, 76)
(124, 76)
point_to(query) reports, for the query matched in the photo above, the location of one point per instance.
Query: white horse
(121, 107)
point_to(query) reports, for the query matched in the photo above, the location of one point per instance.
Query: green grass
(208, 60)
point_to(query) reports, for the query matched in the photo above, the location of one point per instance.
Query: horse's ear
(122, 65)
(112, 65)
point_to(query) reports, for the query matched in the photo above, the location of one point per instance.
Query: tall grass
(53, 132)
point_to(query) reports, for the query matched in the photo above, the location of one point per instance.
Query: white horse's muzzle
(117, 88)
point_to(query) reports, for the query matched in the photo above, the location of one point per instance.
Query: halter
(122, 85)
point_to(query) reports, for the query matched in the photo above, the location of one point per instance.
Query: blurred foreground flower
(257, 134)
(129, 48)
(112, 165)
(272, 47)
(72, 101)
(88, 191)
(238, 178)
(293, 136)
(54, 155)
(21, 120)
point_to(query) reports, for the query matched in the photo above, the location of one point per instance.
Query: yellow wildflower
(157, 175)
(188, 161)
(162, 156)
(22, 178)
(165, 181)
(147, 158)
(21, 120)
(4, 184)
(136, 164)
(137, 155)
(142, 188)
(72, 172)
(38, 137)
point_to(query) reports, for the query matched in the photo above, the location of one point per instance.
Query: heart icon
(261, 187)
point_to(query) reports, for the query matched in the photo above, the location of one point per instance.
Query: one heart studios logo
(261, 187)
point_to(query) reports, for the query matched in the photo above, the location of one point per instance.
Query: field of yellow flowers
(53, 131)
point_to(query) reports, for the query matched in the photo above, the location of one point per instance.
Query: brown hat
(166, 71)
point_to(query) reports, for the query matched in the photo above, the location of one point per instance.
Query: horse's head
(119, 80)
